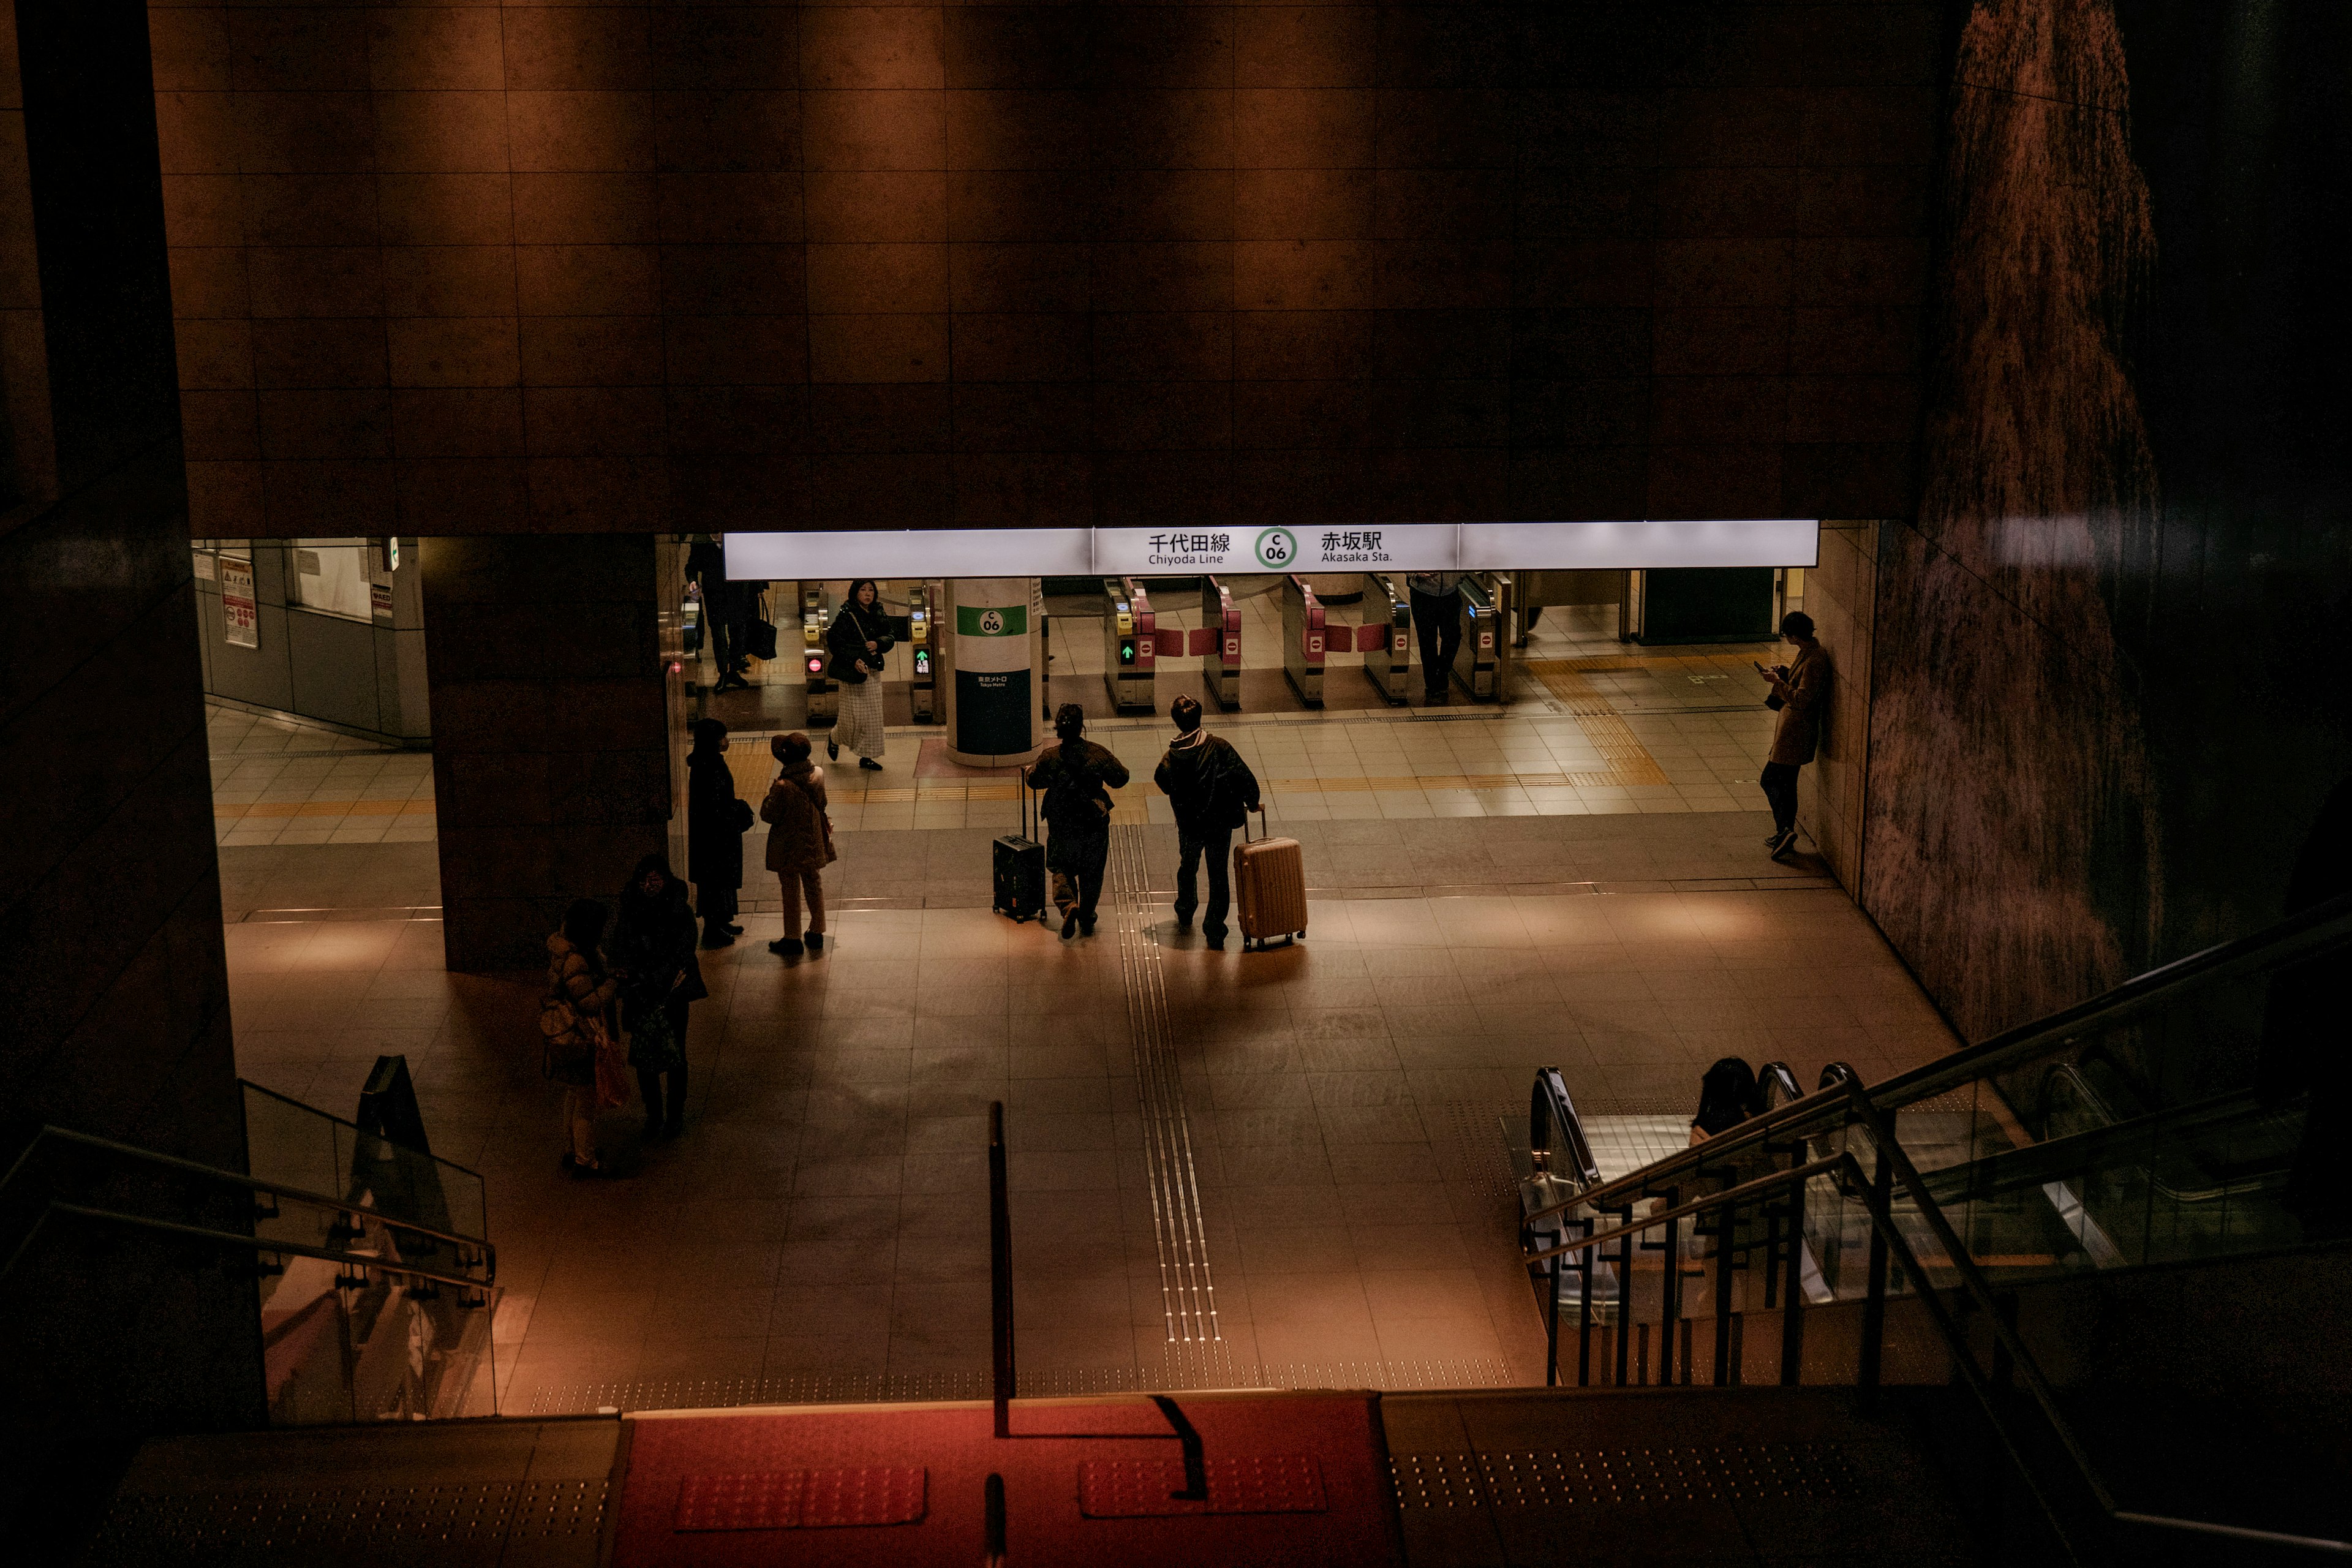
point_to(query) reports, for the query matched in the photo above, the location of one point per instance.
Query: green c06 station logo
(1277, 549)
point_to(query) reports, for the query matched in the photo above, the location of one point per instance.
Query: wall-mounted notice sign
(1304, 547)
(240, 615)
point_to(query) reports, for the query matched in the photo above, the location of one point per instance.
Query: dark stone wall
(552, 755)
(570, 269)
(113, 998)
(2104, 729)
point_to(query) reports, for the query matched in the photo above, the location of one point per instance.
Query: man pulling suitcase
(1208, 788)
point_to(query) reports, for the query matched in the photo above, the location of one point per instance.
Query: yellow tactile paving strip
(1629, 762)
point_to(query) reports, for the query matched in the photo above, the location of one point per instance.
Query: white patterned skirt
(859, 727)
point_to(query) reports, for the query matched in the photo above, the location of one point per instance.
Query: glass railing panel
(301, 1146)
(350, 1342)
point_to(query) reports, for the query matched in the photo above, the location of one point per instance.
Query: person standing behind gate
(800, 841)
(716, 820)
(1802, 692)
(1437, 620)
(860, 639)
(1208, 788)
(1078, 777)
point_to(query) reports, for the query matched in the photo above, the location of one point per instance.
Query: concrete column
(995, 680)
(550, 736)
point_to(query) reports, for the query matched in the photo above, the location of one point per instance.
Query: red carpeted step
(1292, 1478)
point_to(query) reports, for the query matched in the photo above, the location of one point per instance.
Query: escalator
(1981, 1221)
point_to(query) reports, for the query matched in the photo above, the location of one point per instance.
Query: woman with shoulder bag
(860, 641)
(576, 1026)
(653, 946)
(800, 841)
(716, 820)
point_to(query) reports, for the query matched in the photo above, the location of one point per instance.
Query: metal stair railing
(483, 1254)
(1889, 1246)
(2321, 929)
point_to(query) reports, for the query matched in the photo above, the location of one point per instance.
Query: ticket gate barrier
(1533, 592)
(1218, 641)
(922, 653)
(1479, 662)
(816, 619)
(1304, 632)
(1385, 635)
(1130, 645)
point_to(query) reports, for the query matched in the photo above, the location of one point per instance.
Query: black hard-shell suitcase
(1021, 867)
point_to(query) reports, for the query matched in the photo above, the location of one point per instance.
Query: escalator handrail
(1551, 1096)
(238, 1179)
(1778, 1075)
(2316, 929)
(2060, 1159)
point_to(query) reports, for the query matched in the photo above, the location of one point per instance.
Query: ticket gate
(1304, 631)
(1480, 662)
(1384, 637)
(1130, 645)
(922, 653)
(1218, 641)
(816, 618)
(1532, 592)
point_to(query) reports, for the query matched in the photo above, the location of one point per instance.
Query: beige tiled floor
(825, 1211)
(1492, 908)
(1524, 762)
(275, 783)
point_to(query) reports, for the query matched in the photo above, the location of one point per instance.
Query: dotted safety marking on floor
(1143, 1489)
(801, 1500)
(455, 1521)
(1436, 1481)
(1195, 1365)
(1587, 1477)
(1188, 1290)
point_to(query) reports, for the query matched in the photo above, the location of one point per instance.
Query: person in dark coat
(653, 949)
(706, 566)
(1728, 1096)
(716, 820)
(1076, 777)
(1208, 788)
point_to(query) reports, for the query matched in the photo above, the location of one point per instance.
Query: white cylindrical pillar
(995, 647)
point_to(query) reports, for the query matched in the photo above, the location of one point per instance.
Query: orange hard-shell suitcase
(1269, 889)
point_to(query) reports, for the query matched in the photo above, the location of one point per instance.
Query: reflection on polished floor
(1576, 881)
(820, 1230)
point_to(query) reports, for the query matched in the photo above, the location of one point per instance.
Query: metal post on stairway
(999, 1274)
(992, 1522)
(1874, 1300)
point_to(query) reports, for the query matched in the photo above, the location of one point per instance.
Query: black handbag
(763, 639)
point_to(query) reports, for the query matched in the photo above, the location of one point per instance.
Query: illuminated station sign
(1282, 547)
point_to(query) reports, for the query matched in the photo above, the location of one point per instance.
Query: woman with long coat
(860, 639)
(800, 841)
(716, 820)
(1076, 777)
(653, 948)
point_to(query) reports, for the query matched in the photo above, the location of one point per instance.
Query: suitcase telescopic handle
(1260, 809)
